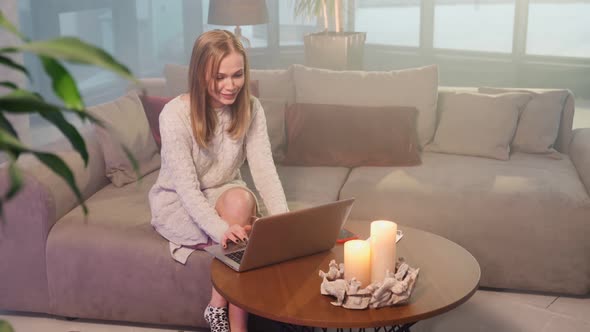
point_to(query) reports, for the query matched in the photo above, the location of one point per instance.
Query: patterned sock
(217, 318)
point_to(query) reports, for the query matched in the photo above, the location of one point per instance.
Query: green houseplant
(19, 100)
(22, 101)
(335, 49)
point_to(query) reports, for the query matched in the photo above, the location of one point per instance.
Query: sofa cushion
(351, 136)
(304, 186)
(153, 106)
(416, 87)
(538, 124)
(492, 208)
(177, 80)
(126, 124)
(477, 124)
(112, 260)
(275, 83)
(274, 111)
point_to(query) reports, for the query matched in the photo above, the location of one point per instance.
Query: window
(94, 26)
(474, 25)
(160, 33)
(293, 29)
(393, 22)
(257, 35)
(560, 28)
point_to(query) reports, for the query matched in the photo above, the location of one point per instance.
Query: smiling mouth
(229, 95)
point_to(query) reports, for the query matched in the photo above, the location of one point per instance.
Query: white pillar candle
(382, 240)
(357, 261)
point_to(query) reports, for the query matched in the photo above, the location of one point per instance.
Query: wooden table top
(289, 292)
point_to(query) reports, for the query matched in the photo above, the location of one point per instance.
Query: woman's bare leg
(236, 206)
(216, 299)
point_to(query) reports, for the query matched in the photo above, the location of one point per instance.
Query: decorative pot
(335, 50)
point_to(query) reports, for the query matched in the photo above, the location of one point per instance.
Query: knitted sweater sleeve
(262, 167)
(176, 154)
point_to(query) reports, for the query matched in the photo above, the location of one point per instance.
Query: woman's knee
(237, 204)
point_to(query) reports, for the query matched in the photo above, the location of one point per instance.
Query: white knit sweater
(179, 206)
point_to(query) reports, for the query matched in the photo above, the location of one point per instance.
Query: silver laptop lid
(294, 234)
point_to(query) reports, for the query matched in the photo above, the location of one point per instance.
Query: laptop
(285, 236)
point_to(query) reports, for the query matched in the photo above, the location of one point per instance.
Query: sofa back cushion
(538, 125)
(477, 124)
(416, 87)
(351, 136)
(275, 83)
(177, 80)
(126, 124)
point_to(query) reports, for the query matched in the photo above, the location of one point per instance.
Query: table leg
(394, 328)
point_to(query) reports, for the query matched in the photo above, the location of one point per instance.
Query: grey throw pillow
(477, 124)
(538, 125)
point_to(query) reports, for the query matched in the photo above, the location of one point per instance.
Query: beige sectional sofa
(526, 220)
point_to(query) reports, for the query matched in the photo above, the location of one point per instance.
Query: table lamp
(238, 12)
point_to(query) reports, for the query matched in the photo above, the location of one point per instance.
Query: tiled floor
(486, 311)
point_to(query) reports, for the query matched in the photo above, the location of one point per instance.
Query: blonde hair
(208, 52)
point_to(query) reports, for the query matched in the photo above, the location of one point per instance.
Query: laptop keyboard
(236, 256)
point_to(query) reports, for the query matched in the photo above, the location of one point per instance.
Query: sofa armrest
(579, 151)
(30, 215)
(52, 190)
(153, 86)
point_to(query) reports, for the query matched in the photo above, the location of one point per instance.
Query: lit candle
(357, 261)
(382, 240)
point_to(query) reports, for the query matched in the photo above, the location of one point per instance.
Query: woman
(199, 197)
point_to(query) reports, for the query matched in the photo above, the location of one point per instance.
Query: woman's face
(229, 80)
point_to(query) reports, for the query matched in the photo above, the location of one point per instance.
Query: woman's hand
(236, 234)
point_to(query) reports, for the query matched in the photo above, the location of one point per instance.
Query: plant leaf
(5, 23)
(9, 85)
(69, 131)
(5, 124)
(59, 167)
(55, 163)
(23, 101)
(63, 83)
(132, 159)
(8, 62)
(74, 50)
(16, 180)
(4, 325)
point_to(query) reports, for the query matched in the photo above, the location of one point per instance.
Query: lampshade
(237, 12)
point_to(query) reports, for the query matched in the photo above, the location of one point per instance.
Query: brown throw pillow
(274, 111)
(153, 106)
(334, 135)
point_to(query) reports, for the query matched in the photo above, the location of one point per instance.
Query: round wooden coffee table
(289, 292)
